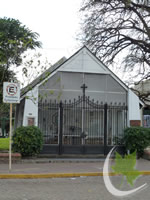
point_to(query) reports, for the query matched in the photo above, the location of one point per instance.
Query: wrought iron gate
(81, 126)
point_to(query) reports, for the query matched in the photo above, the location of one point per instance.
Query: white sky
(57, 22)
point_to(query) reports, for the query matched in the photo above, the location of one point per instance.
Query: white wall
(143, 87)
(133, 106)
(31, 106)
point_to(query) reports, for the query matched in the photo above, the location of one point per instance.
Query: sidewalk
(50, 168)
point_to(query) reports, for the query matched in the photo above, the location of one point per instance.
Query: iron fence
(82, 122)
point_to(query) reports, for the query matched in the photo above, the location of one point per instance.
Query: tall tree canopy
(115, 28)
(15, 39)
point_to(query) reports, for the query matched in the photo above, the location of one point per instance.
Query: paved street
(42, 166)
(82, 188)
(79, 188)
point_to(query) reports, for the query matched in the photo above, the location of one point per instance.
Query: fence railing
(82, 122)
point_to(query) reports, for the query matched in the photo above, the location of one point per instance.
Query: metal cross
(83, 88)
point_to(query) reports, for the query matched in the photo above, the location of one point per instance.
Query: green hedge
(137, 138)
(27, 140)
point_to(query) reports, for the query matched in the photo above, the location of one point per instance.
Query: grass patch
(4, 143)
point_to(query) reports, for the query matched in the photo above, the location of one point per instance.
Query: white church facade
(80, 106)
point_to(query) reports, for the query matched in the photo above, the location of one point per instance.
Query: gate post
(105, 129)
(60, 128)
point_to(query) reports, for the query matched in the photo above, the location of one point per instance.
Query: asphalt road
(82, 188)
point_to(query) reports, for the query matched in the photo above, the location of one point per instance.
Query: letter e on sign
(11, 92)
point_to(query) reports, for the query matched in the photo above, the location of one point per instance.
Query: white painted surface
(143, 87)
(134, 110)
(84, 61)
(31, 106)
(11, 92)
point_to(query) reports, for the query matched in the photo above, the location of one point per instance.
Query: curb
(60, 175)
(63, 161)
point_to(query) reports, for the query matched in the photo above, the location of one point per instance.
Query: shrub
(27, 140)
(137, 138)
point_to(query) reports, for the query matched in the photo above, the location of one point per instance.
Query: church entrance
(81, 126)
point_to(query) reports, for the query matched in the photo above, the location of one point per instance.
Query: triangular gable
(84, 61)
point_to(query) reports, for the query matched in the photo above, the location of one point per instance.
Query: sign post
(11, 94)
(10, 136)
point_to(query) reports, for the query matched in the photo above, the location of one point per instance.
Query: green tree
(119, 28)
(15, 39)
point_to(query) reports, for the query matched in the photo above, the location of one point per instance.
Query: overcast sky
(57, 22)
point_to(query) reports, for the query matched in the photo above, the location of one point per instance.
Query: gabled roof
(61, 65)
(84, 61)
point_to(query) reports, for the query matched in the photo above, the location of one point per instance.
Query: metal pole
(105, 129)
(60, 133)
(10, 134)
